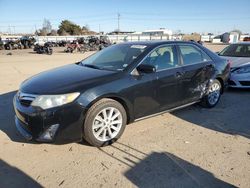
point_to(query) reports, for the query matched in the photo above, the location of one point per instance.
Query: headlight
(50, 101)
(243, 70)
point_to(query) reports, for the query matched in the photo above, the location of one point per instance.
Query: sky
(186, 16)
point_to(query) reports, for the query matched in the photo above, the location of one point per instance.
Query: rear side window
(192, 55)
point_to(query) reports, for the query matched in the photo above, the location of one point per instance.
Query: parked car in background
(239, 56)
(94, 99)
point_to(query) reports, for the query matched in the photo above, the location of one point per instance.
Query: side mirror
(218, 53)
(143, 68)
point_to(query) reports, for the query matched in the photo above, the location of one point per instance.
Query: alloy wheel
(214, 93)
(107, 124)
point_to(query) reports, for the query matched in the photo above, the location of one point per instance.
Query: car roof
(244, 42)
(157, 42)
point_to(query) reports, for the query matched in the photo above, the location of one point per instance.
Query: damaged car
(239, 56)
(96, 98)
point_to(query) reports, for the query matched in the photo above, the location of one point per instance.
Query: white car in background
(239, 56)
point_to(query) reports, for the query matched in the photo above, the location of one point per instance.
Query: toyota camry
(96, 98)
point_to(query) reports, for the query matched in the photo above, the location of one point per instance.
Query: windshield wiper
(91, 66)
(97, 67)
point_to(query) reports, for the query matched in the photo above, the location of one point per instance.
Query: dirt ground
(192, 147)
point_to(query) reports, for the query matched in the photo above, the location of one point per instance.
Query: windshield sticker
(138, 46)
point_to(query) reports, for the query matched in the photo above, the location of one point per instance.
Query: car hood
(237, 61)
(66, 79)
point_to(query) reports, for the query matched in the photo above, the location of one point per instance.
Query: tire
(95, 136)
(8, 47)
(50, 51)
(213, 96)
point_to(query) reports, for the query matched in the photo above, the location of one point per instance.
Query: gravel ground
(192, 147)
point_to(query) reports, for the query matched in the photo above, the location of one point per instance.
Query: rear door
(198, 68)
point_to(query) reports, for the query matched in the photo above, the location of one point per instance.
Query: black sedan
(94, 99)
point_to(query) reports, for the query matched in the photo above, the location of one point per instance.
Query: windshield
(116, 57)
(236, 50)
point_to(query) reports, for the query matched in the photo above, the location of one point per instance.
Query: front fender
(88, 98)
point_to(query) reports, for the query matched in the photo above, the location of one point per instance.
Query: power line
(61, 18)
(184, 19)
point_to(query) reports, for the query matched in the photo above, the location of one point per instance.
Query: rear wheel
(105, 122)
(213, 96)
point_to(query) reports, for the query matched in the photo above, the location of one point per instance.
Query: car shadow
(231, 115)
(7, 114)
(161, 169)
(13, 177)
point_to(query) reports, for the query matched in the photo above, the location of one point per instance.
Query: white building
(161, 31)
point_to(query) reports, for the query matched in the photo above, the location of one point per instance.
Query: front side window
(162, 58)
(236, 50)
(191, 55)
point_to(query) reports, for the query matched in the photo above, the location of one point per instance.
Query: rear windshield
(236, 50)
(116, 57)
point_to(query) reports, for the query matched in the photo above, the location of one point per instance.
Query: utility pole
(9, 30)
(35, 30)
(14, 28)
(118, 21)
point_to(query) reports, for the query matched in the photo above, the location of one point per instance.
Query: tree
(41, 32)
(47, 27)
(63, 33)
(85, 28)
(69, 27)
(87, 31)
(53, 33)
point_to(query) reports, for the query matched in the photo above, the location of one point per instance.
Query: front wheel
(104, 123)
(214, 94)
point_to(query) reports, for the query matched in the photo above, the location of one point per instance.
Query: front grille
(245, 83)
(25, 102)
(25, 99)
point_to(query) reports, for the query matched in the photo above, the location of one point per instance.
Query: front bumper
(32, 122)
(239, 80)
(20, 127)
